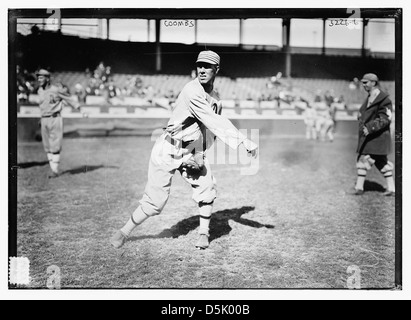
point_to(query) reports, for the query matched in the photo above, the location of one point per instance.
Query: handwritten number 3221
(342, 22)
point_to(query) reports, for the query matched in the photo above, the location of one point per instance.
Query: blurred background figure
(81, 93)
(98, 81)
(329, 97)
(112, 89)
(341, 100)
(171, 96)
(193, 74)
(355, 84)
(318, 97)
(310, 116)
(100, 71)
(275, 80)
(149, 94)
(107, 74)
(325, 125)
(333, 113)
(26, 84)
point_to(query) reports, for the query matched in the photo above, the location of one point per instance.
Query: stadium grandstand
(275, 79)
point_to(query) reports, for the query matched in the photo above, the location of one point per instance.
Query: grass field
(290, 226)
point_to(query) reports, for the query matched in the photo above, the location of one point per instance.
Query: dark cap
(43, 72)
(370, 77)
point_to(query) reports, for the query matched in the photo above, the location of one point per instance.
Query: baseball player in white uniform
(51, 101)
(310, 117)
(324, 124)
(195, 122)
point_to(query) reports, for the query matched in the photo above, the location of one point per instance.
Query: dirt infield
(290, 226)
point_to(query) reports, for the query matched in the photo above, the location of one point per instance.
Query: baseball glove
(194, 165)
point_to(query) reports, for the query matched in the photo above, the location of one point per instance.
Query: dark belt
(175, 142)
(54, 115)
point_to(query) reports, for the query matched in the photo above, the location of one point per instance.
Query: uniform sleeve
(217, 124)
(383, 119)
(68, 99)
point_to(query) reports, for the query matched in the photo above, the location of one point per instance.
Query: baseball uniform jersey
(195, 113)
(51, 102)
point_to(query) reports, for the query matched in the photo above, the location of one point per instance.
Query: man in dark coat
(374, 140)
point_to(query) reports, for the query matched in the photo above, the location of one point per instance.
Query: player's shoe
(389, 193)
(53, 175)
(202, 242)
(356, 192)
(118, 239)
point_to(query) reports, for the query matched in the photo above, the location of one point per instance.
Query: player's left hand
(365, 131)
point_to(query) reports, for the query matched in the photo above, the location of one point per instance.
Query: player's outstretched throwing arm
(219, 125)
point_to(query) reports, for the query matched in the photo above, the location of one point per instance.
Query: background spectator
(98, 80)
(171, 96)
(80, 92)
(26, 84)
(329, 98)
(355, 84)
(318, 97)
(111, 88)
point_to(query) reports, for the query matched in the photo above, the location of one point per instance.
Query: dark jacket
(377, 119)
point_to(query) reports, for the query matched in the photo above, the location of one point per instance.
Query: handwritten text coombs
(179, 23)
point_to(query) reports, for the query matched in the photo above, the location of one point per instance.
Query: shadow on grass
(219, 225)
(26, 165)
(373, 186)
(85, 169)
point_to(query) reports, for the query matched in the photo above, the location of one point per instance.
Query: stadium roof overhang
(210, 13)
(215, 13)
